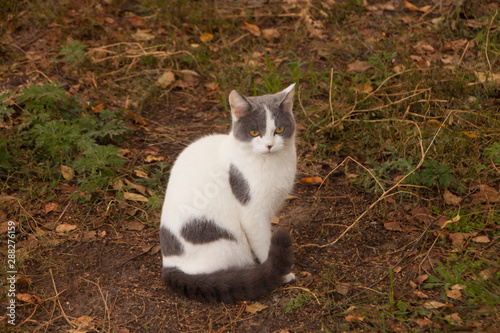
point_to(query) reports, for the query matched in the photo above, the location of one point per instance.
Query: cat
(223, 191)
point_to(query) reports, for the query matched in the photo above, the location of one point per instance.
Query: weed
(74, 52)
(493, 152)
(297, 302)
(5, 109)
(57, 130)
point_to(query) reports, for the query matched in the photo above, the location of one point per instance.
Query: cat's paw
(290, 277)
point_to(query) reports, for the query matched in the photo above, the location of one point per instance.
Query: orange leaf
(311, 180)
(50, 207)
(252, 28)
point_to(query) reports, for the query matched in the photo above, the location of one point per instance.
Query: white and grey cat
(223, 191)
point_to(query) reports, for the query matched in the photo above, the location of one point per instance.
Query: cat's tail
(238, 284)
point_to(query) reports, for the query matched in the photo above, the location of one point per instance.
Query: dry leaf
(486, 274)
(166, 79)
(311, 180)
(364, 88)
(450, 198)
(139, 188)
(50, 207)
(291, 197)
(454, 319)
(135, 20)
(420, 294)
(354, 318)
(410, 6)
(33, 299)
(457, 287)
(121, 330)
(270, 34)
(135, 226)
(434, 305)
(453, 293)
(469, 134)
(155, 249)
(423, 322)
(140, 173)
(453, 220)
(143, 35)
(342, 288)
(481, 239)
(359, 66)
(134, 197)
(255, 307)
(422, 278)
(67, 172)
(153, 158)
(275, 220)
(83, 324)
(206, 37)
(394, 226)
(252, 28)
(486, 194)
(65, 227)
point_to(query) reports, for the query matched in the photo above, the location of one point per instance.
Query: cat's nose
(269, 147)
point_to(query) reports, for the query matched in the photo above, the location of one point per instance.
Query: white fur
(199, 187)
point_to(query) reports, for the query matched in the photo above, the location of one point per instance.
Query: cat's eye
(254, 133)
(279, 130)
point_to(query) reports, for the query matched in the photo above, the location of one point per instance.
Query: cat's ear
(239, 105)
(287, 102)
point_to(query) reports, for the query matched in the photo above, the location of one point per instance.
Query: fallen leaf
(50, 207)
(28, 298)
(143, 35)
(380, 7)
(423, 322)
(139, 188)
(88, 236)
(166, 79)
(354, 318)
(206, 37)
(457, 287)
(155, 249)
(65, 227)
(135, 226)
(486, 194)
(255, 307)
(154, 158)
(270, 34)
(67, 172)
(394, 226)
(453, 220)
(83, 324)
(135, 20)
(450, 198)
(118, 184)
(359, 66)
(481, 239)
(422, 278)
(342, 288)
(134, 197)
(121, 330)
(434, 305)
(486, 274)
(410, 6)
(453, 293)
(420, 294)
(469, 134)
(291, 197)
(455, 45)
(422, 214)
(252, 28)
(275, 220)
(364, 88)
(311, 180)
(454, 319)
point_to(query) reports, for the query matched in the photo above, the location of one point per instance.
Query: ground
(394, 216)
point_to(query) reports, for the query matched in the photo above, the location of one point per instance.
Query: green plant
(297, 302)
(5, 109)
(493, 152)
(58, 130)
(74, 52)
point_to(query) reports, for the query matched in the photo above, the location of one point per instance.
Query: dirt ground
(104, 276)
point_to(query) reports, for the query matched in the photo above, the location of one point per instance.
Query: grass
(88, 126)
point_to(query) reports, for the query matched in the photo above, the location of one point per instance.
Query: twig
(137, 256)
(386, 193)
(58, 301)
(330, 96)
(488, 40)
(106, 309)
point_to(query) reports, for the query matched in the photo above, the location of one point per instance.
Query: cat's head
(265, 122)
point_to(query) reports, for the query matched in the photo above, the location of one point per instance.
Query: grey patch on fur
(255, 118)
(239, 185)
(202, 231)
(170, 245)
